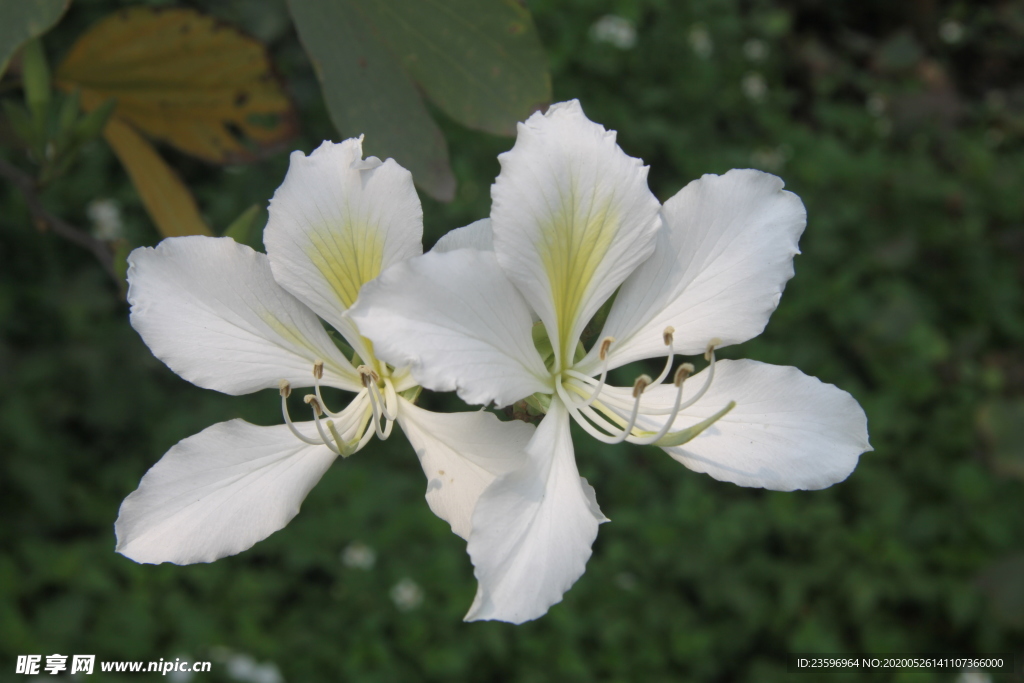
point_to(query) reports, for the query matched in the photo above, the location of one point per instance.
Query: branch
(27, 186)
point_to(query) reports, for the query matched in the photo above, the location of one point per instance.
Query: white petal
(336, 222)
(461, 454)
(722, 261)
(572, 217)
(458, 323)
(533, 528)
(476, 235)
(210, 309)
(219, 492)
(788, 430)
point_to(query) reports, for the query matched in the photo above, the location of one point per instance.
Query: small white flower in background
(876, 104)
(228, 318)
(755, 50)
(358, 555)
(951, 31)
(181, 676)
(407, 595)
(105, 216)
(754, 86)
(700, 41)
(973, 677)
(626, 581)
(614, 30)
(495, 312)
(771, 158)
(243, 667)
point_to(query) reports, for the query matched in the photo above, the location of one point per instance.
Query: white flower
(614, 30)
(359, 556)
(700, 41)
(407, 595)
(228, 318)
(573, 221)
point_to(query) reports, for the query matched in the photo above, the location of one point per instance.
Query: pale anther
(711, 347)
(605, 345)
(311, 400)
(668, 334)
(285, 387)
(367, 374)
(641, 383)
(318, 369)
(684, 371)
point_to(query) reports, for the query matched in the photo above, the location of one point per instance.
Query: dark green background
(907, 294)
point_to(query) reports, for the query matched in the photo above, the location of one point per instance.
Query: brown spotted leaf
(184, 78)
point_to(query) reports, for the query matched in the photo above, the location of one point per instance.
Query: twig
(27, 186)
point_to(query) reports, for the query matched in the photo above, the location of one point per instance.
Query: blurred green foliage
(899, 124)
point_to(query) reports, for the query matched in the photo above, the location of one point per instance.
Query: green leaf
(1001, 424)
(35, 78)
(245, 228)
(368, 93)
(479, 61)
(23, 20)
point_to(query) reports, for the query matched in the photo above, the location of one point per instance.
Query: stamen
(684, 371)
(311, 400)
(286, 389)
(707, 382)
(366, 371)
(711, 348)
(575, 409)
(668, 335)
(318, 374)
(603, 354)
(641, 383)
(377, 403)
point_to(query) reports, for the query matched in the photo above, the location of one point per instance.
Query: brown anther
(605, 345)
(711, 347)
(318, 369)
(682, 373)
(641, 383)
(368, 375)
(311, 400)
(667, 335)
(285, 387)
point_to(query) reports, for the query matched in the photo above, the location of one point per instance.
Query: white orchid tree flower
(228, 318)
(572, 222)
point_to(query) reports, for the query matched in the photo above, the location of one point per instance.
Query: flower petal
(461, 454)
(210, 309)
(219, 492)
(533, 528)
(722, 261)
(458, 323)
(788, 430)
(336, 222)
(572, 217)
(476, 235)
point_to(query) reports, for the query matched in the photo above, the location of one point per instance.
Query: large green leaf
(21, 20)
(480, 61)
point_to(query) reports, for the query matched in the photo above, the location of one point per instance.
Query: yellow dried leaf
(168, 201)
(184, 78)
